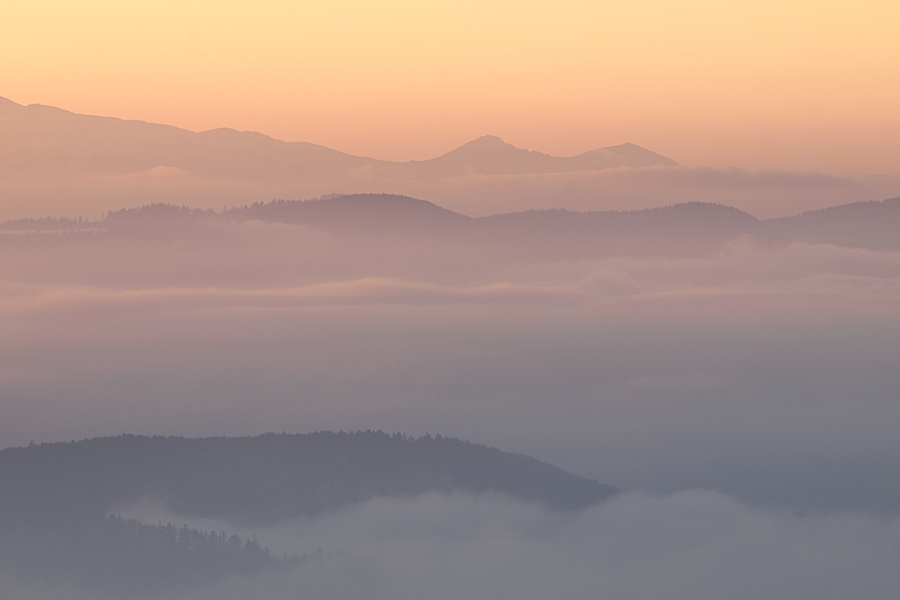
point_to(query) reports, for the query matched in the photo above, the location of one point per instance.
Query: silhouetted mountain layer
(345, 238)
(693, 229)
(40, 139)
(377, 235)
(686, 229)
(872, 225)
(362, 214)
(268, 478)
(689, 229)
(489, 155)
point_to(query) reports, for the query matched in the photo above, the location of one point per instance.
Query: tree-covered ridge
(261, 480)
(58, 501)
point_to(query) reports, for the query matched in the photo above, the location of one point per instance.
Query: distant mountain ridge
(490, 155)
(692, 228)
(360, 214)
(874, 225)
(394, 236)
(39, 139)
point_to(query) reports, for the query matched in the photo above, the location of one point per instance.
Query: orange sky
(792, 84)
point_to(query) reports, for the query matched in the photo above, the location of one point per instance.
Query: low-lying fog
(766, 371)
(693, 545)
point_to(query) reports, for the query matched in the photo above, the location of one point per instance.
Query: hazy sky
(791, 84)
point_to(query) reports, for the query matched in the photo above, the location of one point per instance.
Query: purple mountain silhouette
(39, 139)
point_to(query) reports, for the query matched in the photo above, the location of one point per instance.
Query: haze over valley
(574, 306)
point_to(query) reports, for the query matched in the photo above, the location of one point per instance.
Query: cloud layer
(692, 545)
(768, 374)
(764, 370)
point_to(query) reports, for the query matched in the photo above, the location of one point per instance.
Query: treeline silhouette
(119, 555)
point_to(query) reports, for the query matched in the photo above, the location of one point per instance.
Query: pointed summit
(487, 155)
(487, 142)
(487, 146)
(633, 155)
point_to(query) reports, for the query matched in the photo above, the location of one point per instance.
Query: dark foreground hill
(56, 499)
(261, 480)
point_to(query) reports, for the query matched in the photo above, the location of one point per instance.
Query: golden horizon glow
(792, 85)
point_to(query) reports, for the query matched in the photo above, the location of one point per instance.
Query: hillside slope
(58, 501)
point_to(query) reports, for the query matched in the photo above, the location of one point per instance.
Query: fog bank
(693, 545)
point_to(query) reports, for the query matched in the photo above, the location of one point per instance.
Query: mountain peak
(487, 142)
(488, 139)
(637, 156)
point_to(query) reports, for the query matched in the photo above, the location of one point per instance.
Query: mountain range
(354, 237)
(692, 229)
(695, 228)
(39, 139)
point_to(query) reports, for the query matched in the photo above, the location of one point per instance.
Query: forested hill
(261, 480)
(58, 501)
